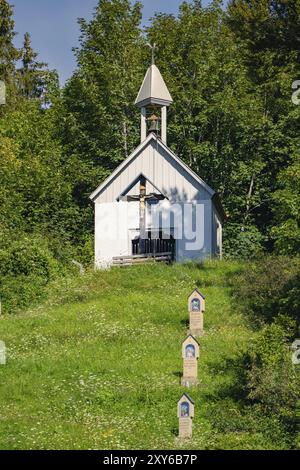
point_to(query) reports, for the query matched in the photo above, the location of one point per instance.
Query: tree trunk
(125, 138)
(249, 196)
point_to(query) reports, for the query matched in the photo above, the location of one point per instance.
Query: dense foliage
(268, 291)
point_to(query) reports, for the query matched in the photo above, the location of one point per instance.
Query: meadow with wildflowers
(98, 365)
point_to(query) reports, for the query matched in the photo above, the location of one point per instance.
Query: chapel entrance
(155, 244)
(149, 241)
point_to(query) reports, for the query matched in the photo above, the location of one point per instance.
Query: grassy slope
(99, 366)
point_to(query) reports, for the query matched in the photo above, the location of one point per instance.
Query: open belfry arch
(149, 205)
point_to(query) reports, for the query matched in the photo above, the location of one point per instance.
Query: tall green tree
(32, 75)
(8, 52)
(216, 122)
(99, 97)
(101, 122)
(286, 230)
(269, 31)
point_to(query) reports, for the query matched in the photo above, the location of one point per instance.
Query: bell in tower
(153, 124)
(153, 99)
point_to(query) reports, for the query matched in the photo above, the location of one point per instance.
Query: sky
(53, 26)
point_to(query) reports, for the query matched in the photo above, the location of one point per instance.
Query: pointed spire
(153, 91)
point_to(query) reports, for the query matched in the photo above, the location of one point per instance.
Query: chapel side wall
(217, 234)
(184, 252)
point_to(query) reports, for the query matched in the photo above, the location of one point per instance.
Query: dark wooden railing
(154, 246)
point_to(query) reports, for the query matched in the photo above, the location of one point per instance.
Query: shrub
(270, 287)
(272, 380)
(26, 267)
(28, 257)
(21, 291)
(269, 291)
(242, 242)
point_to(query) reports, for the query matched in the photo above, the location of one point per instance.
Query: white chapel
(153, 206)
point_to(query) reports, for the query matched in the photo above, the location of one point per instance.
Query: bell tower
(154, 99)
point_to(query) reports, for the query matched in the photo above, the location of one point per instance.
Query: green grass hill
(98, 365)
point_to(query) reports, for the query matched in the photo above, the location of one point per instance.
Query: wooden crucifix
(142, 197)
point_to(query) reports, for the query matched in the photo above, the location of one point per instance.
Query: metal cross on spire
(152, 47)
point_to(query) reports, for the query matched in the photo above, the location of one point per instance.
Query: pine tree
(32, 75)
(8, 53)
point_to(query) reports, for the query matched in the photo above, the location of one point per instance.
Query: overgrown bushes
(28, 257)
(270, 287)
(26, 267)
(28, 263)
(269, 291)
(242, 242)
(273, 381)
